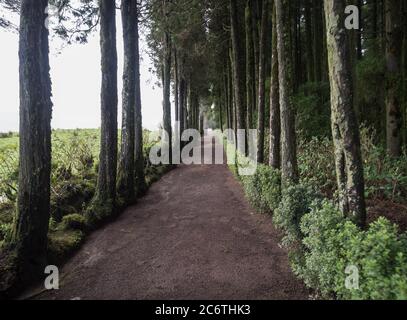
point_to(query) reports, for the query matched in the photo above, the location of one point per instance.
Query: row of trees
(121, 174)
(249, 58)
(252, 58)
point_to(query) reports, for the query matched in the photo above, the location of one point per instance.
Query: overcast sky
(76, 79)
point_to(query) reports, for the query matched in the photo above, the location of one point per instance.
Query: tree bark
(30, 233)
(318, 39)
(125, 179)
(289, 165)
(106, 184)
(167, 92)
(309, 39)
(140, 182)
(393, 76)
(262, 82)
(239, 72)
(250, 65)
(275, 124)
(345, 128)
(256, 46)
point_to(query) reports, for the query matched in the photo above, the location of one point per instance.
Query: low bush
(296, 201)
(263, 188)
(333, 244)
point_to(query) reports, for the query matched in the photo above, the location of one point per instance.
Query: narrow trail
(193, 236)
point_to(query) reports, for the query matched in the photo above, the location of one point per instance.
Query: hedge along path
(193, 236)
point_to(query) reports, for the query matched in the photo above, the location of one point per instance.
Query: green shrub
(333, 243)
(74, 222)
(316, 163)
(295, 203)
(320, 228)
(386, 177)
(380, 253)
(263, 189)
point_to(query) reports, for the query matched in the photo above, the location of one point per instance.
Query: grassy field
(75, 156)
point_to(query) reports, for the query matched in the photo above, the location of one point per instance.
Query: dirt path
(193, 236)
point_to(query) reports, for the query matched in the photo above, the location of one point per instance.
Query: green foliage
(295, 203)
(263, 189)
(74, 222)
(73, 184)
(316, 163)
(5, 233)
(313, 110)
(8, 171)
(332, 244)
(323, 244)
(370, 75)
(385, 177)
(319, 228)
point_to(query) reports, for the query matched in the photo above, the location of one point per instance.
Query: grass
(75, 156)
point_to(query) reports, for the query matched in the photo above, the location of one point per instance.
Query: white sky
(76, 79)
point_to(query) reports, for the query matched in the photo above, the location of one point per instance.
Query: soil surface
(193, 236)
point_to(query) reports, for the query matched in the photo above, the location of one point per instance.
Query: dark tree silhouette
(30, 233)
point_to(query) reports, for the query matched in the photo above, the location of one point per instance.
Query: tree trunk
(182, 94)
(250, 65)
(167, 92)
(287, 114)
(275, 124)
(176, 85)
(140, 182)
(239, 71)
(308, 44)
(30, 233)
(106, 186)
(393, 63)
(318, 40)
(256, 46)
(359, 49)
(345, 128)
(125, 178)
(262, 82)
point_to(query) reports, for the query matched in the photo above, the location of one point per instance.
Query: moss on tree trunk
(345, 129)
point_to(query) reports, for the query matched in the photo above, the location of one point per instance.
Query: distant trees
(33, 205)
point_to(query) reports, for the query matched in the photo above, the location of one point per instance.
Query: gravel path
(193, 236)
